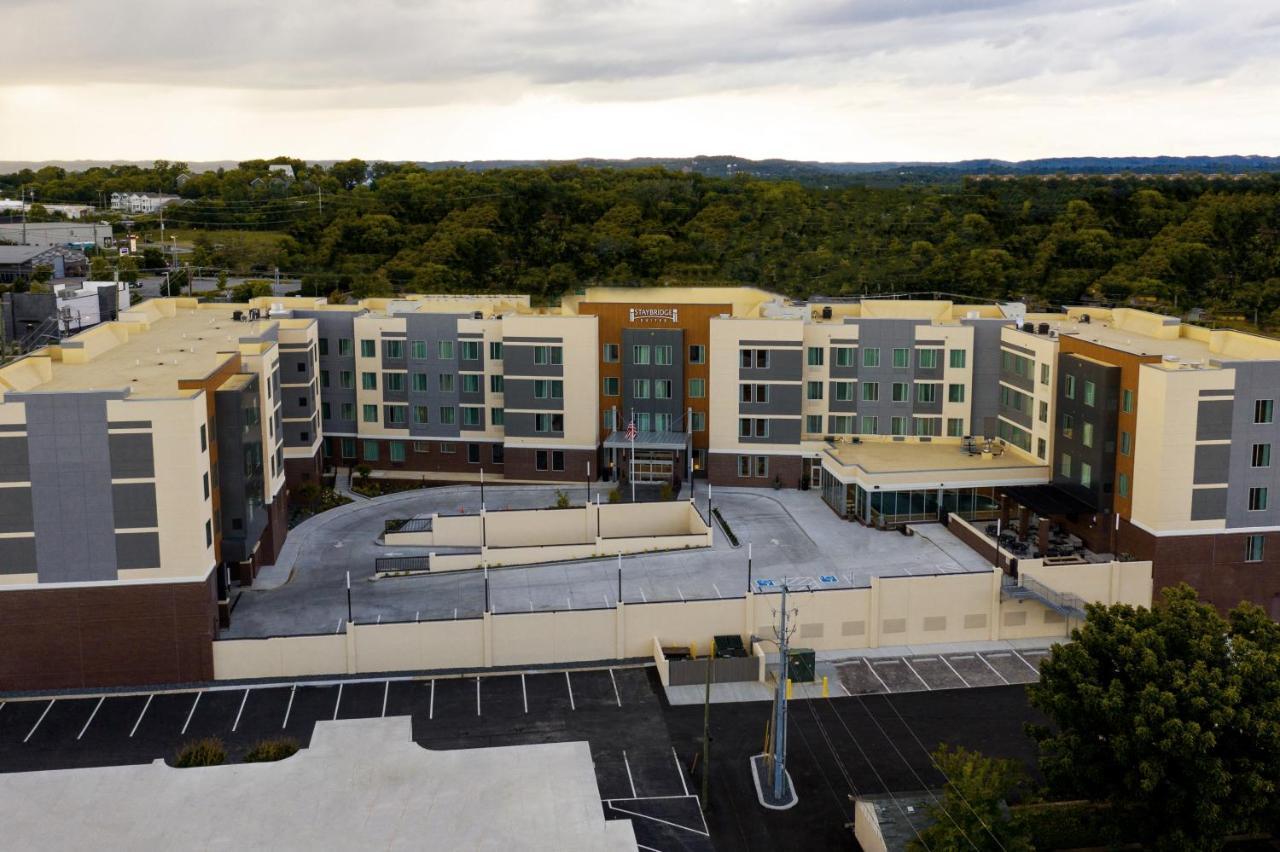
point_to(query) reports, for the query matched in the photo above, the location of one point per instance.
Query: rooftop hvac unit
(826, 312)
(477, 314)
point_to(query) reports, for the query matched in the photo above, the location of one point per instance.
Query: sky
(832, 80)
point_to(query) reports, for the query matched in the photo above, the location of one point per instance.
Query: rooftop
(914, 456)
(1182, 346)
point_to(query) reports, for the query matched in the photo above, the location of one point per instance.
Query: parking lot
(931, 672)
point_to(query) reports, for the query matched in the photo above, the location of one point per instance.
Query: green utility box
(801, 665)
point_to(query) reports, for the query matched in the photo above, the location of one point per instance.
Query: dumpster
(801, 665)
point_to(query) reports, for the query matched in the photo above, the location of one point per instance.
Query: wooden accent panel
(209, 384)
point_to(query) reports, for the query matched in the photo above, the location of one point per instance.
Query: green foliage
(972, 812)
(269, 751)
(562, 500)
(1172, 715)
(1070, 825)
(728, 530)
(153, 258)
(128, 269)
(615, 496)
(666, 492)
(205, 752)
(41, 274)
(363, 471)
(253, 289)
(100, 269)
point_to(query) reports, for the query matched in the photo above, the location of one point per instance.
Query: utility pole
(706, 733)
(320, 198)
(780, 705)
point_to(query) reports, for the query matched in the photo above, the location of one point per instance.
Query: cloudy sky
(475, 79)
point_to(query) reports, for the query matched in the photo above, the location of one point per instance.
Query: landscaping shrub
(724, 525)
(562, 500)
(205, 752)
(269, 751)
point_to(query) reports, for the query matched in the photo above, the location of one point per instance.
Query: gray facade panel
(298, 433)
(519, 394)
(134, 505)
(297, 402)
(846, 406)
(783, 399)
(1211, 466)
(1254, 380)
(138, 550)
(334, 326)
(517, 360)
(295, 367)
(14, 465)
(1103, 415)
(433, 328)
(1213, 420)
(785, 364)
(780, 432)
(939, 363)
(885, 335)
(985, 358)
(15, 511)
(17, 555)
(131, 456)
(520, 424)
(934, 407)
(673, 406)
(1208, 504)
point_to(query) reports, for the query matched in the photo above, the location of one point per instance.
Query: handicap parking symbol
(764, 584)
(829, 578)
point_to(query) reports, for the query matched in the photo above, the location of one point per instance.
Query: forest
(1173, 242)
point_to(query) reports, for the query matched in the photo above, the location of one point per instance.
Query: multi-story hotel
(145, 464)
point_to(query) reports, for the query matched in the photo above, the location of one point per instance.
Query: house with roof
(141, 202)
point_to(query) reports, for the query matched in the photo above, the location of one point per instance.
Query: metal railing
(402, 565)
(1063, 603)
(407, 525)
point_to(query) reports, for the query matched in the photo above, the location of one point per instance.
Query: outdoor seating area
(969, 445)
(1061, 547)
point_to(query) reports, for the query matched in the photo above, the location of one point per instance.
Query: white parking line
(134, 730)
(431, 708)
(953, 669)
(192, 712)
(679, 770)
(614, 807)
(993, 668)
(917, 674)
(477, 695)
(38, 721)
(681, 593)
(524, 692)
(91, 715)
(338, 629)
(569, 683)
(643, 599)
(243, 700)
(872, 669)
(1028, 665)
(630, 780)
(337, 703)
(616, 696)
(289, 708)
(717, 588)
(385, 692)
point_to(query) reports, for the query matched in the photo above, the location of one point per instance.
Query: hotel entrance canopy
(674, 441)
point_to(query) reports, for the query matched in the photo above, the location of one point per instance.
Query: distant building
(20, 262)
(56, 234)
(282, 171)
(71, 211)
(890, 823)
(36, 319)
(141, 202)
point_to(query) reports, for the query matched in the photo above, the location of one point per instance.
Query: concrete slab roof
(913, 456)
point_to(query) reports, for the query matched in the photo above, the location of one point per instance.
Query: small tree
(363, 471)
(972, 813)
(41, 274)
(268, 751)
(562, 500)
(309, 495)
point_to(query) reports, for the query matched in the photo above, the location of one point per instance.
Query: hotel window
(1042, 448)
(548, 422)
(697, 388)
(813, 390)
(762, 359)
(204, 437)
(606, 420)
(447, 448)
(640, 355)
(842, 356)
(611, 353)
(446, 383)
(1064, 467)
(744, 466)
(697, 354)
(394, 381)
(761, 467)
(662, 389)
(1126, 443)
(1069, 390)
(368, 348)
(870, 425)
(870, 392)
(662, 356)
(393, 349)
(347, 411)
(369, 450)
(699, 421)
(448, 415)
(1253, 548)
(1261, 456)
(955, 427)
(540, 460)
(473, 453)
(418, 349)
(812, 423)
(422, 446)
(1257, 499)
(395, 451)
(548, 389)
(1044, 411)
(744, 427)
(640, 388)
(927, 426)
(1044, 374)
(1126, 401)
(1086, 474)
(445, 350)
(897, 425)
(815, 356)
(955, 393)
(927, 359)
(326, 413)
(324, 345)
(642, 421)
(369, 413)
(497, 416)
(348, 448)
(1086, 433)
(471, 350)
(346, 379)
(662, 422)
(612, 386)
(420, 414)
(1068, 426)
(208, 533)
(899, 391)
(394, 415)
(324, 378)
(1090, 393)
(928, 393)
(1122, 486)
(841, 424)
(495, 350)
(902, 357)
(842, 391)
(206, 485)
(755, 393)
(871, 357)
(1264, 411)
(369, 381)
(345, 346)
(958, 357)
(496, 384)
(472, 416)
(419, 382)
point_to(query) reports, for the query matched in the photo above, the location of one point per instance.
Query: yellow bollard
(788, 689)
(693, 650)
(824, 686)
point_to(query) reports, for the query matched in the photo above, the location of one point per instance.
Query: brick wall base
(522, 464)
(427, 459)
(117, 635)
(299, 472)
(722, 469)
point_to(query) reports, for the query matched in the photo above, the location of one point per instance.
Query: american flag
(631, 431)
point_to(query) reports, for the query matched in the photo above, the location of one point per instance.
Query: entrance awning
(1048, 499)
(676, 441)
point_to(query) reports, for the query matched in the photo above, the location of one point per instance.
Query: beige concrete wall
(284, 656)
(421, 645)
(532, 638)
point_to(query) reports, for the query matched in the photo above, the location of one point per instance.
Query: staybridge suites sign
(671, 315)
